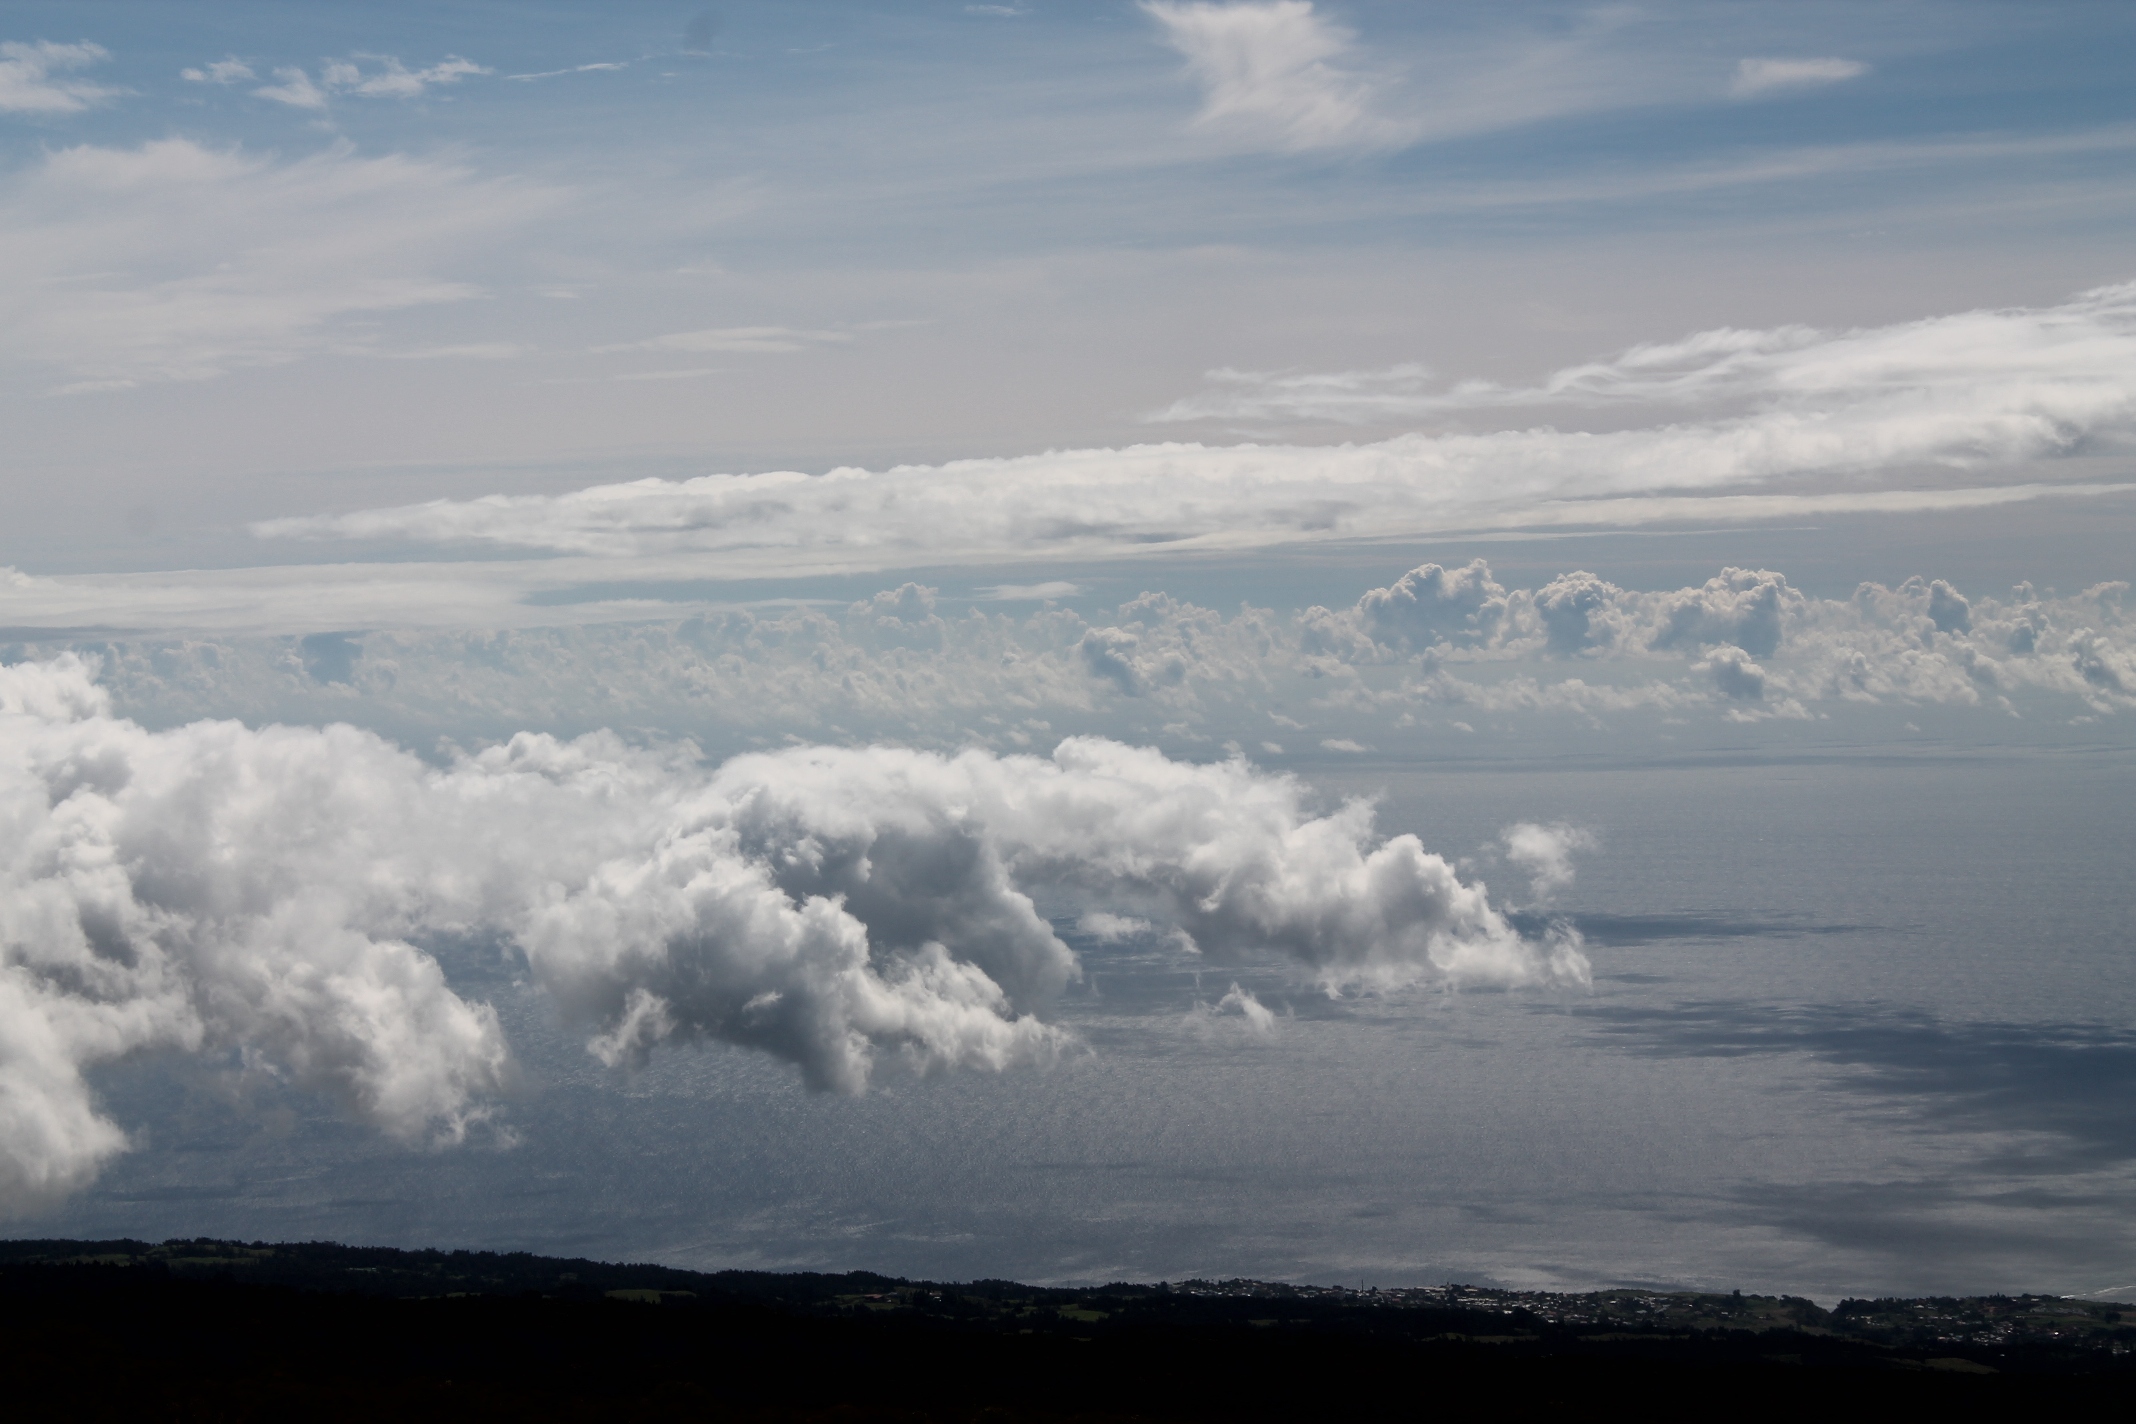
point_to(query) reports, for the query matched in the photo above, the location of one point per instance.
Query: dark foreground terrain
(222, 1330)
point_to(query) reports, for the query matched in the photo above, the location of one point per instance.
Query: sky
(669, 601)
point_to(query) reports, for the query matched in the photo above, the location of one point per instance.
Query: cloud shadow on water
(2015, 1151)
(2073, 1081)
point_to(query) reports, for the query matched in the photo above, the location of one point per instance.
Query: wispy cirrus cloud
(600, 67)
(733, 339)
(1278, 75)
(225, 72)
(1754, 77)
(34, 77)
(174, 261)
(2082, 352)
(367, 76)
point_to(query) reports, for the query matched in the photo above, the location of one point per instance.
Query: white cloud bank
(215, 888)
(1436, 648)
(1789, 420)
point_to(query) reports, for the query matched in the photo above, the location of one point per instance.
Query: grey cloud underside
(219, 889)
(1436, 647)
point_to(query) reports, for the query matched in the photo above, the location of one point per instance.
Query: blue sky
(590, 547)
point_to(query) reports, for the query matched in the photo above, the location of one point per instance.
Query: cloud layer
(1788, 414)
(264, 894)
(1436, 649)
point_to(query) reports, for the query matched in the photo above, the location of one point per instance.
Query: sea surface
(1861, 1023)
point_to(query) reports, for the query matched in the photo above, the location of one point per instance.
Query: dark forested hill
(215, 1329)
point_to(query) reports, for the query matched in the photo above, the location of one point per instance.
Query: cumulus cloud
(1763, 76)
(215, 888)
(192, 891)
(1276, 75)
(32, 82)
(175, 261)
(1431, 605)
(1545, 853)
(1981, 388)
(1745, 644)
(1239, 1010)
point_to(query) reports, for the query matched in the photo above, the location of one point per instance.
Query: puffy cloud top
(218, 887)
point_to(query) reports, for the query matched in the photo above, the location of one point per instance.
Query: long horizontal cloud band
(1437, 643)
(214, 887)
(1953, 413)
(541, 593)
(1979, 388)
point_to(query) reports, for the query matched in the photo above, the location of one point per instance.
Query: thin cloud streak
(1754, 77)
(2086, 347)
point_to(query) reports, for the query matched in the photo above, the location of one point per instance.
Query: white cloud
(1031, 592)
(30, 82)
(1994, 388)
(1108, 928)
(392, 79)
(604, 66)
(386, 77)
(1545, 852)
(1273, 75)
(225, 71)
(174, 261)
(212, 887)
(1254, 1019)
(1739, 425)
(734, 338)
(1762, 76)
(189, 891)
(2082, 351)
(296, 90)
(1745, 644)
